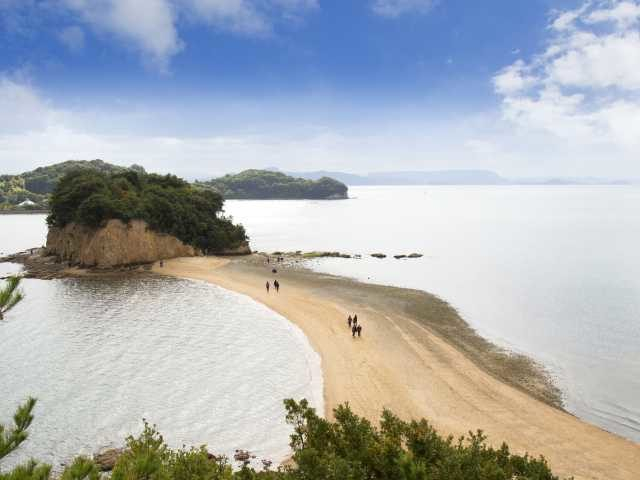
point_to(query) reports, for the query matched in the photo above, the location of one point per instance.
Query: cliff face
(114, 244)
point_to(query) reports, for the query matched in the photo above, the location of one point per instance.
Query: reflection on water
(207, 365)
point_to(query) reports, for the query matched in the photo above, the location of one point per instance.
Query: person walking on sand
(355, 320)
(359, 329)
(276, 284)
(267, 286)
(353, 331)
(349, 320)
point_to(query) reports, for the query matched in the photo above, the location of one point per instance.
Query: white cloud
(148, 25)
(72, 38)
(152, 28)
(248, 17)
(240, 16)
(396, 8)
(22, 108)
(235, 15)
(585, 87)
(625, 14)
(513, 79)
(602, 61)
(566, 20)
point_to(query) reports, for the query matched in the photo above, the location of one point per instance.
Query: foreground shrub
(352, 448)
(349, 448)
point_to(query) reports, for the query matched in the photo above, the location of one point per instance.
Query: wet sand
(420, 359)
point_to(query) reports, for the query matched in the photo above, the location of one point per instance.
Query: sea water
(208, 366)
(552, 272)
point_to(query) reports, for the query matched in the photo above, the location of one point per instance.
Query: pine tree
(10, 295)
(10, 439)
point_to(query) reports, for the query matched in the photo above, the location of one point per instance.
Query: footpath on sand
(418, 358)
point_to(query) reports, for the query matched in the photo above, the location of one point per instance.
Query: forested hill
(30, 190)
(266, 184)
(166, 203)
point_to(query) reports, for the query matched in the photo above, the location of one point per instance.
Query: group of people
(276, 285)
(278, 259)
(353, 325)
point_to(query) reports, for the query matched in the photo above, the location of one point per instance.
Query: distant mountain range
(450, 177)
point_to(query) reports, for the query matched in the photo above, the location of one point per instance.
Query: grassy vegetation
(167, 203)
(350, 448)
(266, 184)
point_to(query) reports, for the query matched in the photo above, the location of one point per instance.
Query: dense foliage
(167, 203)
(266, 184)
(33, 187)
(14, 195)
(350, 448)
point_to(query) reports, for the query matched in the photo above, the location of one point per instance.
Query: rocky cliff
(114, 244)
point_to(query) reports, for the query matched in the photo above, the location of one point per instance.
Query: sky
(205, 87)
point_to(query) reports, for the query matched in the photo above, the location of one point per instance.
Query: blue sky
(202, 87)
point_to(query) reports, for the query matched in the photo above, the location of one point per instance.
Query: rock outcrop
(114, 244)
(107, 459)
(243, 249)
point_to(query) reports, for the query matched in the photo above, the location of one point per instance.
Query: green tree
(11, 438)
(82, 468)
(166, 203)
(266, 184)
(10, 295)
(352, 448)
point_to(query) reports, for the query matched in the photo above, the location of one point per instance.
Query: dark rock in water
(414, 255)
(326, 254)
(107, 459)
(378, 255)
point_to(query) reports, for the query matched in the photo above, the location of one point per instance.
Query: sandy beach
(420, 359)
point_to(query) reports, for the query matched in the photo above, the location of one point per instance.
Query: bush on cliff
(167, 203)
(350, 448)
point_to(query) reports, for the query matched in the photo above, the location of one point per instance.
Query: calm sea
(553, 272)
(208, 366)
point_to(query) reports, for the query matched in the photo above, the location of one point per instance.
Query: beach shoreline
(420, 359)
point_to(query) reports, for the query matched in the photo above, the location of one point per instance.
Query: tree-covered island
(30, 191)
(166, 203)
(272, 185)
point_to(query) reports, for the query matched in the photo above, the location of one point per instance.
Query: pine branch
(10, 296)
(11, 439)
